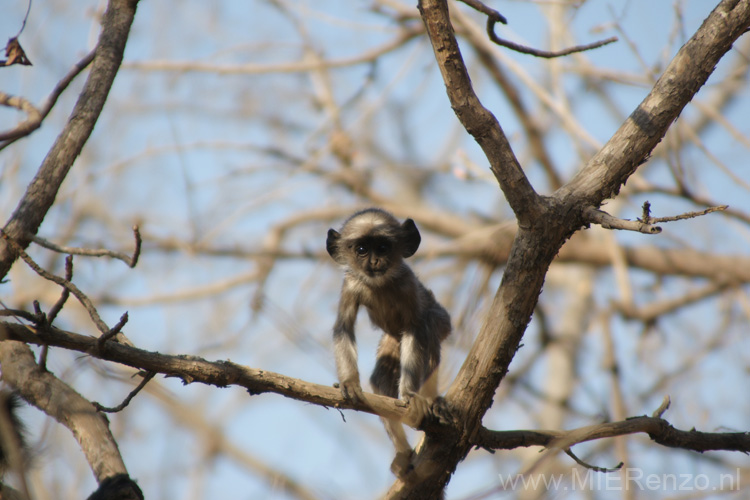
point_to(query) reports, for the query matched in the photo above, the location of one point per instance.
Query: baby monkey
(372, 246)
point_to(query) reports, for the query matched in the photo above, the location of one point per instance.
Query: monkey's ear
(411, 238)
(332, 246)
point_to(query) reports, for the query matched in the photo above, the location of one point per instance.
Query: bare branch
(664, 406)
(146, 379)
(643, 225)
(225, 373)
(195, 369)
(491, 14)
(476, 119)
(49, 103)
(690, 215)
(659, 430)
(605, 220)
(594, 468)
(291, 67)
(67, 407)
(57, 307)
(26, 127)
(650, 312)
(130, 260)
(629, 147)
(82, 297)
(494, 17)
(41, 192)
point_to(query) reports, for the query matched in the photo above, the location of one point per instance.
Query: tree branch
(476, 119)
(195, 369)
(658, 429)
(41, 193)
(60, 401)
(130, 260)
(630, 146)
(596, 216)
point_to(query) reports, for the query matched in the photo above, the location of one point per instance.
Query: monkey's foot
(402, 463)
(352, 391)
(419, 408)
(441, 411)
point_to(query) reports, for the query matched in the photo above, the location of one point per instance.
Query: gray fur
(371, 246)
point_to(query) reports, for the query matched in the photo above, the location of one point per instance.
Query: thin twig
(546, 54)
(494, 17)
(491, 14)
(25, 18)
(49, 103)
(130, 260)
(664, 406)
(114, 330)
(82, 298)
(594, 468)
(690, 215)
(52, 314)
(25, 127)
(18, 314)
(146, 378)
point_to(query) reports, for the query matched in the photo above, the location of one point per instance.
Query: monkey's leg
(384, 381)
(417, 361)
(430, 388)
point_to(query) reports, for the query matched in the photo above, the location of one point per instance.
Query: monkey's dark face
(372, 244)
(374, 255)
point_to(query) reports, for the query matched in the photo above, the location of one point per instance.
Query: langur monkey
(372, 246)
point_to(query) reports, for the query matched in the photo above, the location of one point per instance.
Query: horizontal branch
(226, 373)
(596, 216)
(195, 369)
(658, 429)
(130, 260)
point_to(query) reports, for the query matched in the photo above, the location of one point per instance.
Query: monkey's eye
(361, 250)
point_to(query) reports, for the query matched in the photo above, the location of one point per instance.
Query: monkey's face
(374, 255)
(372, 245)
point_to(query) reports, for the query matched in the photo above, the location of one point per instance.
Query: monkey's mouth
(375, 272)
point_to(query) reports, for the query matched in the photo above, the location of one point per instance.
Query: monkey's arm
(345, 347)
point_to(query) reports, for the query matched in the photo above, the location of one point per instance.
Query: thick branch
(629, 147)
(60, 401)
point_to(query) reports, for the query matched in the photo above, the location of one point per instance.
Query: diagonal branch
(27, 127)
(60, 401)
(41, 193)
(476, 119)
(630, 146)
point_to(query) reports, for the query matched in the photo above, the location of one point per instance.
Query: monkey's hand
(351, 390)
(419, 408)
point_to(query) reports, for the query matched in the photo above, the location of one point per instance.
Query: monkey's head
(373, 244)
